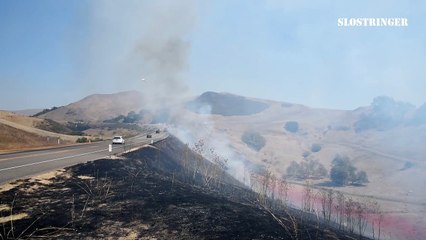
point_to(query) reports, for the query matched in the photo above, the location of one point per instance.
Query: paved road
(30, 163)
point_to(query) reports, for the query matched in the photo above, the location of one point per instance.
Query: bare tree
(361, 220)
(349, 214)
(308, 196)
(283, 188)
(199, 149)
(266, 181)
(329, 204)
(326, 199)
(186, 163)
(377, 219)
(340, 208)
(273, 187)
(220, 166)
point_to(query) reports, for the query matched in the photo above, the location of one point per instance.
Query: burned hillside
(164, 191)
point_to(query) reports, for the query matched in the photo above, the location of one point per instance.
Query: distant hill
(225, 104)
(28, 112)
(97, 107)
(19, 132)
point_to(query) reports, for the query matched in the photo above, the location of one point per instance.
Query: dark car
(157, 131)
(149, 136)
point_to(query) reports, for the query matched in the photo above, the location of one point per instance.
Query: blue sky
(56, 52)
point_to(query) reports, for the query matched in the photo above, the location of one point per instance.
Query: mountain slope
(148, 195)
(225, 104)
(19, 132)
(391, 154)
(97, 107)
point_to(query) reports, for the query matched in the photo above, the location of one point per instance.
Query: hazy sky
(54, 52)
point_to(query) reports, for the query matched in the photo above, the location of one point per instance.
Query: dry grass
(18, 133)
(4, 207)
(19, 119)
(82, 177)
(381, 154)
(8, 186)
(13, 217)
(47, 178)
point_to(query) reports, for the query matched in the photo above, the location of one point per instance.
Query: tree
(292, 126)
(254, 140)
(132, 117)
(316, 147)
(343, 172)
(339, 176)
(294, 170)
(306, 170)
(361, 178)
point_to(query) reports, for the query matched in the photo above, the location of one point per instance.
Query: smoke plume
(141, 45)
(144, 45)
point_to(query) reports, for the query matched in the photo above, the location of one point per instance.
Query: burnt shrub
(253, 139)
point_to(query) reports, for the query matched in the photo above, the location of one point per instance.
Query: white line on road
(51, 160)
(61, 158)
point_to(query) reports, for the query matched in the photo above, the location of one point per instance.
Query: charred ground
(147, 194)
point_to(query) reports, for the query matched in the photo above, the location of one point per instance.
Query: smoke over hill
(225, 104)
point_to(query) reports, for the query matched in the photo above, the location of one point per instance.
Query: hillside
(148, 194)
(392, 154)
(97, 107)
(28, 112)
(384, 139)
(19, 132)
(225, 104)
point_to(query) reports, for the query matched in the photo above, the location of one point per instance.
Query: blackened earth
(134, 198)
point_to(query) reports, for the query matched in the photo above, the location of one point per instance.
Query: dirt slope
(19, 132)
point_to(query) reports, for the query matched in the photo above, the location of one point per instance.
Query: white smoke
(141, 45)
(144, 45)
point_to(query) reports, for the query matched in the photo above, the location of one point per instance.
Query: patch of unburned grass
(4, 207)
(8, 186)
(47, 178)
(83, 177)
(13, 217)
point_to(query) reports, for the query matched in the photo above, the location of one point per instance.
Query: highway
(31, 163)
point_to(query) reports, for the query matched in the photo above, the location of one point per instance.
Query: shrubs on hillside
(225, 104)
(131, 117)
(292, 126)
(343, 172)
(384, 113)
(44, 111)
(253, 139)
(82, 140)
(311, 169)
(53, 126)
(78, 126)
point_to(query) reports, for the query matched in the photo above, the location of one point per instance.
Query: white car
(118, 140)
